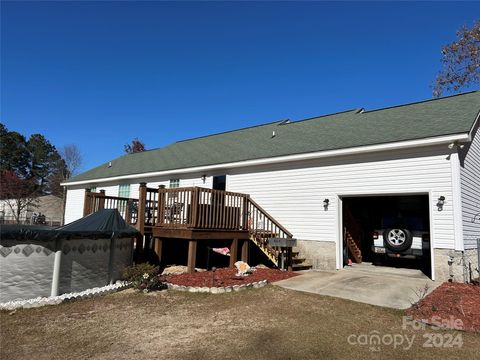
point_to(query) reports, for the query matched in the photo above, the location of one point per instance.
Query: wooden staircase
(352, 234)
(353, 248)
(262, 227)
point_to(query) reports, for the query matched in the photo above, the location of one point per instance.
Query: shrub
(144, 277)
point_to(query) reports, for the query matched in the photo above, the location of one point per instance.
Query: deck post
(245, 251)
(142, 199)
(161, 205)
(101, 200)
(158, 248)
(289, 259)
(192, 256)
(87, 202)
(128, 216)
(233, 252)
(245, 213)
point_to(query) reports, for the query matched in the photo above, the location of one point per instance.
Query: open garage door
(387, 231)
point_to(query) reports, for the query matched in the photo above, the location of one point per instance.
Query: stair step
(302, 266)
(298, 260)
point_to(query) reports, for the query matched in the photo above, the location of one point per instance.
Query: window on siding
(174, 183)
(124, 190)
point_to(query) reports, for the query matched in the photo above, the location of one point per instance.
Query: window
(93, 189)
(220, 182)
(174, 183)
(124, 190)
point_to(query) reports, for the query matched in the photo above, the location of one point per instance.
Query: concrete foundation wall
(456, 265)
(26, 268)
(320, 254)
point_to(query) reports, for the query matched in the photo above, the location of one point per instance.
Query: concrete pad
(376, 285)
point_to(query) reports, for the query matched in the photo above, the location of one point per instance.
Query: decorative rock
(235, 288)
(42, 301)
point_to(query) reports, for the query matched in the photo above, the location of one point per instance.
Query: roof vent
(273, 134)
(109, 164)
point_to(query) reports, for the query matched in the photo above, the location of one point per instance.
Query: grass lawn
(267, 323)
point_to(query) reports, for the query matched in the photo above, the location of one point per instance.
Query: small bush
(144, 277)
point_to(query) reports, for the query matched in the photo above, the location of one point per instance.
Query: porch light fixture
(326, 202)
(440, 203)
(204, 178)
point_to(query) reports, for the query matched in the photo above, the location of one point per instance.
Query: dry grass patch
(267, 323)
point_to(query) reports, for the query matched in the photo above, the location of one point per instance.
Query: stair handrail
(270, 218)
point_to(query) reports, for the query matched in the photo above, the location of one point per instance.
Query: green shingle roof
(445, 116)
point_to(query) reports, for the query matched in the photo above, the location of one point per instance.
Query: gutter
(465, 137)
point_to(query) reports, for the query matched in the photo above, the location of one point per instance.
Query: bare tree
(461, 61)
(134, 147)
(73, 159)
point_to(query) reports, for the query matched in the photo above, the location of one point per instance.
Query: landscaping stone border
(217, 290)
(55, 300)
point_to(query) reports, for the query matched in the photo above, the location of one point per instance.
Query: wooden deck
(196, 214)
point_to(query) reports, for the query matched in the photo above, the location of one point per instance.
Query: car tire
(397, 239)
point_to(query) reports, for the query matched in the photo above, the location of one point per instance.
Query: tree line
(33, 167)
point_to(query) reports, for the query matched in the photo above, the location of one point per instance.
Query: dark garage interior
(366, 217)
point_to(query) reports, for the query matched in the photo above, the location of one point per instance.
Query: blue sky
(98, 74)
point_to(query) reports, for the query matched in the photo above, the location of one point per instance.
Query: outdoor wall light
(440, 203)
(204, 178)
(326, 202)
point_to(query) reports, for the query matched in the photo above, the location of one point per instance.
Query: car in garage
(401, 237)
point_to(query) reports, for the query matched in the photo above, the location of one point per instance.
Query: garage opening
(387, 231)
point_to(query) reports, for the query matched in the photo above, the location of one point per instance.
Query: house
(50, 206)
(331, 178)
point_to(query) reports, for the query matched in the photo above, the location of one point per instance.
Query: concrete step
(298, 260)
(302, 266)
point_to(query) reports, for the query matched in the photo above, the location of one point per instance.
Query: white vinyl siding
(294, 193)
(470, 185)
(74, 204)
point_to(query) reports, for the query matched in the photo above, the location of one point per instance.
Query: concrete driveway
(366, 283)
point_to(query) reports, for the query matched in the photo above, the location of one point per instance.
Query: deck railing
(127, 207)
(190, 207)
(201, 208)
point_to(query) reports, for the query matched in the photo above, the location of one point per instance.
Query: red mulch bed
(226, 277)
(450, 301)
